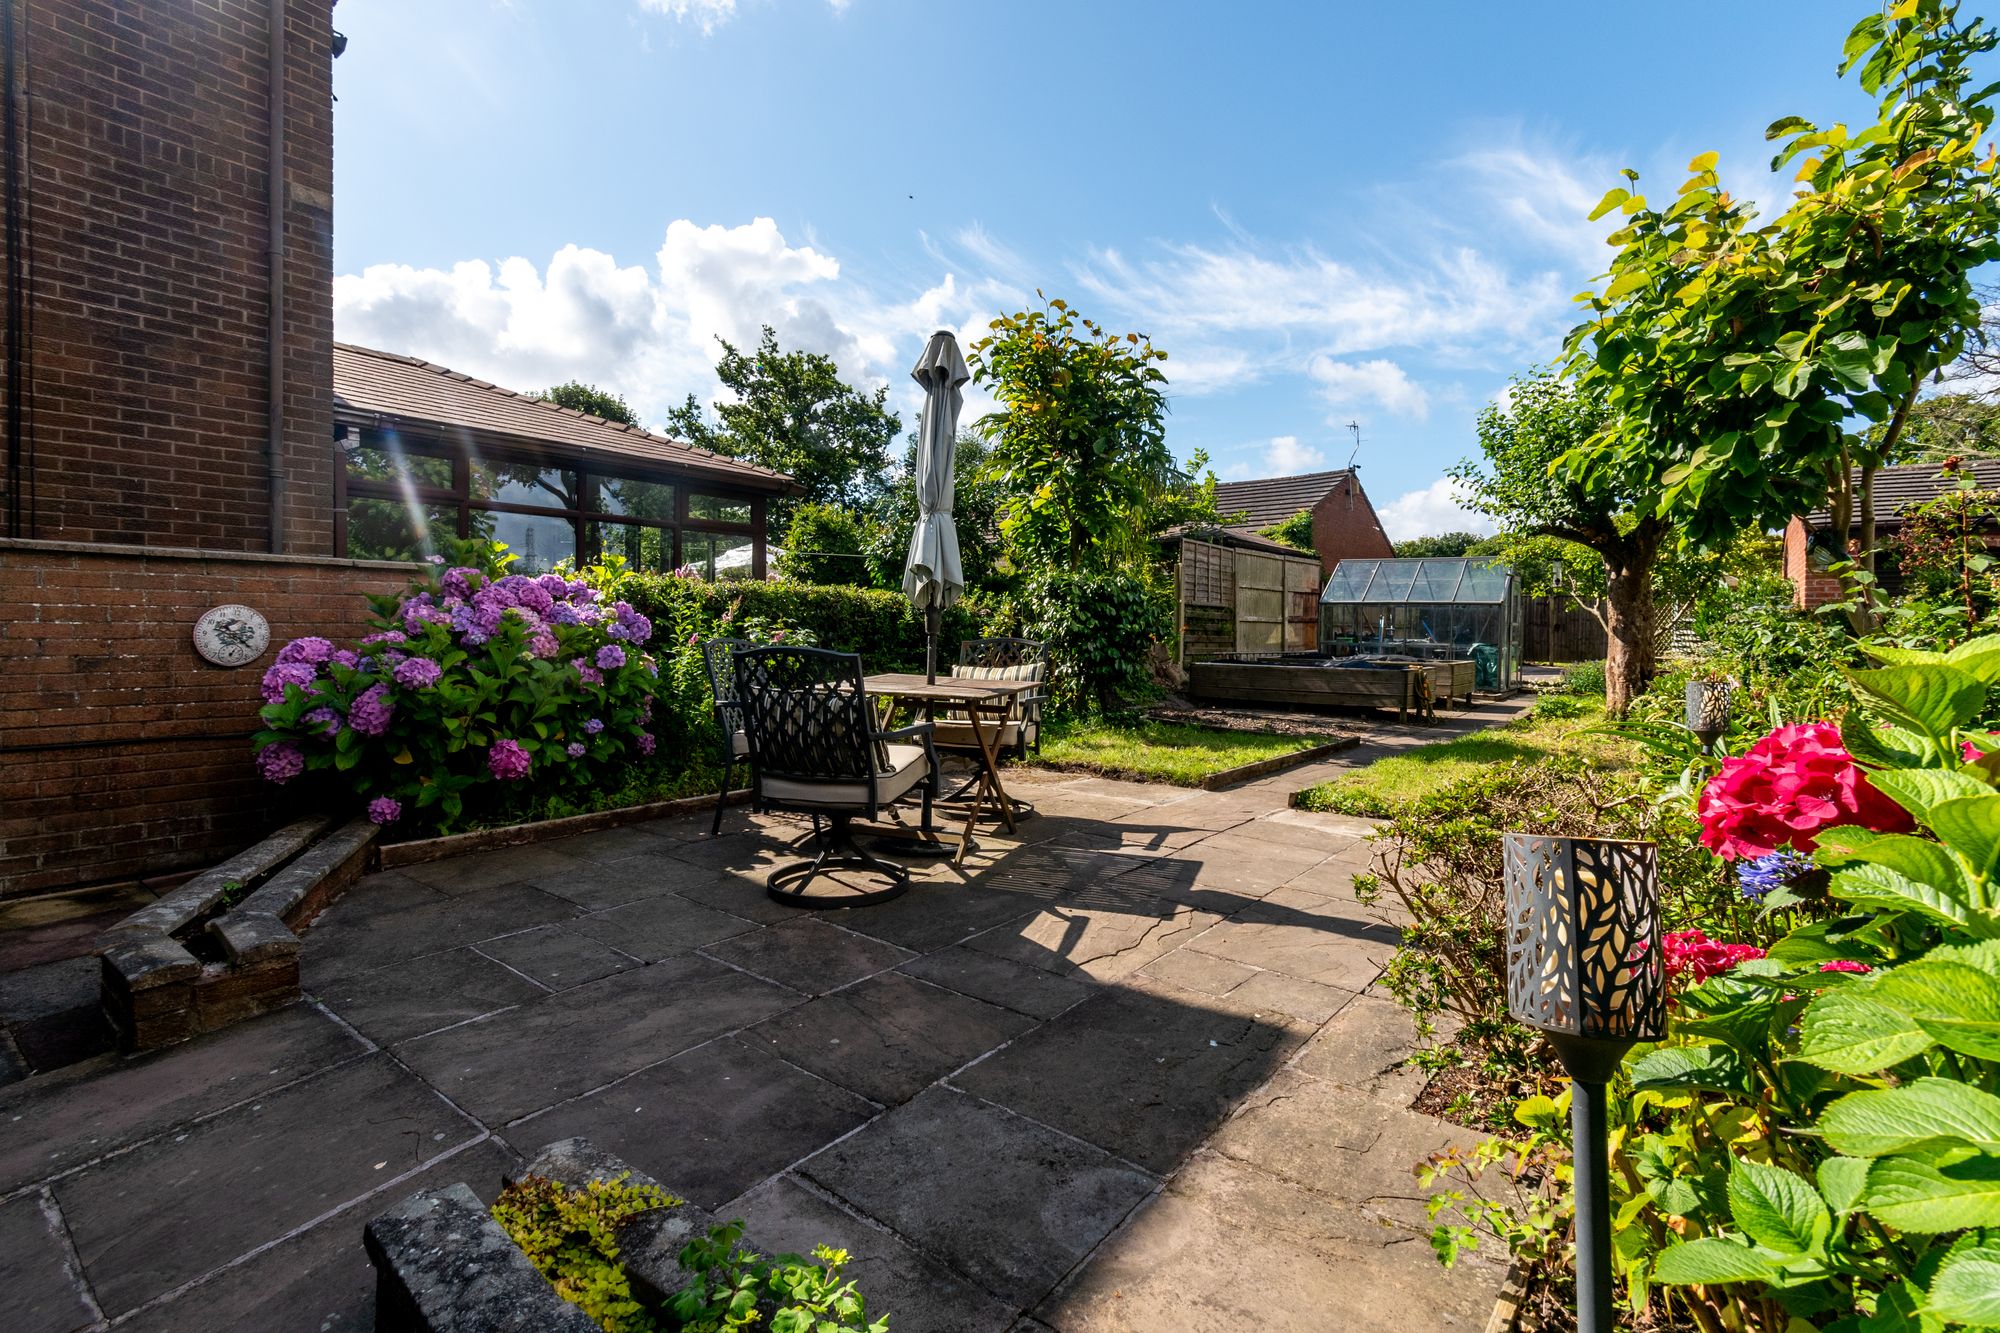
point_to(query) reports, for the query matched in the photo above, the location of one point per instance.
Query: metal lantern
(1584, 966)
(1708, 703)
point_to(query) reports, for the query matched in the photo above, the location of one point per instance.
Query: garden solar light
(1584, 968)
(1708, 710)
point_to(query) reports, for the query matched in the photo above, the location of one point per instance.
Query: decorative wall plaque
(231, 636)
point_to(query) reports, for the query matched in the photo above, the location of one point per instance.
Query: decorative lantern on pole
(1584, 967)
(1708, 704)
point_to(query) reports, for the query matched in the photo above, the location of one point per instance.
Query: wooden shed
(1243, 596)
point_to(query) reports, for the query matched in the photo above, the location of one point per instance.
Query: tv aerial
(1355, 427)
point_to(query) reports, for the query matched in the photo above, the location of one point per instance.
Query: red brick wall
(1345, 527)
(1810, 587)
(122, 752)
(147, 159)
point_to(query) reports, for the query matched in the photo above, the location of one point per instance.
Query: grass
(1171, 752)
(1559, 724)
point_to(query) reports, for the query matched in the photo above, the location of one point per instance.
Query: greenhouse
(1428, 610)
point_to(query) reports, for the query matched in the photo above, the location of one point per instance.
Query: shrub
(1100, 629)
(1783, 656)
(730, 1288)
(826, 544)
(478, 686)
(1583, 678)
(571, 1237)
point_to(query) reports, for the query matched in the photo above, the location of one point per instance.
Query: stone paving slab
(535, 1055)
(713, 1121)
(621, 876)
(1143, 1073)
(1302, 944)
(398, 1002)
(39, 1292)
(1024, 989)
(662, 927)
(1007, 1202)
(809, 955)
(319, 1280)
(482, 872)
(146, 1222)
(935, 915)
(1102, 943)
(1227, 1248)
(59, 1121)
(917, 1293)
(362, 932)
(558, 957)
(888, 1037)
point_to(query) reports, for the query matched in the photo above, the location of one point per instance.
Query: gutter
(274, 441)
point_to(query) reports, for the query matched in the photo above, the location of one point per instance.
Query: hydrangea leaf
(1850, 1033)
(1777, 1209)
(1958, 1005)
(1966, 1289)
(1678, 1068)
(1713, 1260)
(1918, 789)
(1934, 699)
(1970, 826)
(1842, 1181)
(1980, 656)
(1919, 1114)
(1928, 1200)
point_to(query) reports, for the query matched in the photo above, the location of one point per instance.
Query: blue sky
(1324, 212)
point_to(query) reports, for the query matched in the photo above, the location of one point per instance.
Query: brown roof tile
(1896, 488)
(1275, 499)
(371, 386)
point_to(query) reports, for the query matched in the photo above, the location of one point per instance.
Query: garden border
(1214, 781)
(395, 855)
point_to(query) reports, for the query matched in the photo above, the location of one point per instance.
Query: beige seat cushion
(1024, 671)
(906, 768)
(958, 735)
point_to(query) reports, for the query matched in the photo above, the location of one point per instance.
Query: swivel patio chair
(716, 655)
(815, 748)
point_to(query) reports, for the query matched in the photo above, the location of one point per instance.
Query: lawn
(1171, 752)
(1553, 728)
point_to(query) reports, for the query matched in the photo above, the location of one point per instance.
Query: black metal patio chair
(717, 655)
(815, 748)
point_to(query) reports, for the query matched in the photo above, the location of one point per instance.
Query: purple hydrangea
(370, 712)
(590, 674)
(347, 657)
(283, 674)
(384, 810)
(628, 624)
(1755, 879)
(574, 749)
(435, 559)
(387, 636)
(652, 667)
(595, 725)
(280, 761)
(646, 742)
(457, 582)
(610, 657)
(327, 720)
(311, 649)
(508, 761)
(543, 644)
(418, 673)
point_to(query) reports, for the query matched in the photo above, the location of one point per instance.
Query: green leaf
(1918, 789)
(1967, 1288)
(1915, 1196)
(1850, 1033)
(1678, 1068)
(1957, 1005)
(1925, 1112)
(1885, 889)
(1612, 198)
(1777, 1209)
(1970, 826)
(1979, 656)
(1712, 1260)
(1842, 1181)
(1888, 746)
(1932, 699)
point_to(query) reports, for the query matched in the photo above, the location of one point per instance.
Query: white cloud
(1283, 456)
(650, 333)
(1345, 384)
(1438, 507)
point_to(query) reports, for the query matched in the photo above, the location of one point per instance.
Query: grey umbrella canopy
(933, 578)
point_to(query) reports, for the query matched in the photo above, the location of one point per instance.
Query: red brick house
(1812, 547)
(1344, 524)
(178, 429)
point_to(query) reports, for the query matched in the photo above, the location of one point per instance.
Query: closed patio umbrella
(933, 578)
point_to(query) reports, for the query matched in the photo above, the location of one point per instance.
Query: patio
(1123, 1073)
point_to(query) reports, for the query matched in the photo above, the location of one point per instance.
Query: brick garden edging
(443, 1265)
(155, 991)
(397, 854)
(1277, 764)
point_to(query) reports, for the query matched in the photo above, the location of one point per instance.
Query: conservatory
(1428, 610)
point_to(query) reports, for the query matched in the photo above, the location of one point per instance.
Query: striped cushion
(1025, 671)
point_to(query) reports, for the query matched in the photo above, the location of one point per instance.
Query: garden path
(1128, 1071)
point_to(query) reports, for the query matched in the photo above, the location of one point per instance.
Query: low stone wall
(122, 752)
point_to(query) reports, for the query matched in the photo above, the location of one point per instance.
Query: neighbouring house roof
(1246, 537)
(1896, 488)
(1275, 499)
(383, 390)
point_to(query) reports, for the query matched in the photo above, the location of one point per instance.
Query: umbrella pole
(933, 621)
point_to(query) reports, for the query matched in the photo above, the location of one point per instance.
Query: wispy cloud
(1438, 507)
(1347, 384)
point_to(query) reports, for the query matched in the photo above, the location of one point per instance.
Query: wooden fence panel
(1556, 629)
(1208, 601)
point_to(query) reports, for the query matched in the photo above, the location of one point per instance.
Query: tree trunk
(1866, 504)
(1632, 656)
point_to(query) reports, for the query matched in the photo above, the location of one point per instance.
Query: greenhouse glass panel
(1426, 610)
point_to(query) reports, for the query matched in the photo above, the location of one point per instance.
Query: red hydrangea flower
(1844, 965)
(1691, 953)
(1786, 788)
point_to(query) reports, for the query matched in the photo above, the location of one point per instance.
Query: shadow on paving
(1009, 1093)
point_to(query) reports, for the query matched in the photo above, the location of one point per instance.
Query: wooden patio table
(982, 702)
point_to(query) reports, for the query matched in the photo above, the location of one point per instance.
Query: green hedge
(882, 626)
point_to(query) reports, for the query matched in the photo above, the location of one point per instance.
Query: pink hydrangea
(1971, 753)
(384, 810)
(370, 712)
(1844, 965)
(280, 762)
(1785, 789)
(508, 761)
(1691, 953)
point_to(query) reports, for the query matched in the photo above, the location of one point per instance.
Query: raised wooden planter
(192, 962)
(1323, 683)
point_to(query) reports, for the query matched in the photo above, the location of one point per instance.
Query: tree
(975, 512)
(1444, 545)
(826, 544)
(791, 411)
(1946, 425)
(1296, 531)
(1079, 443)
(581, 397)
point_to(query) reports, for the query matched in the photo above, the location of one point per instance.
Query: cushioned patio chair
(1020, 730)
(716, 655)
(815, 748)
